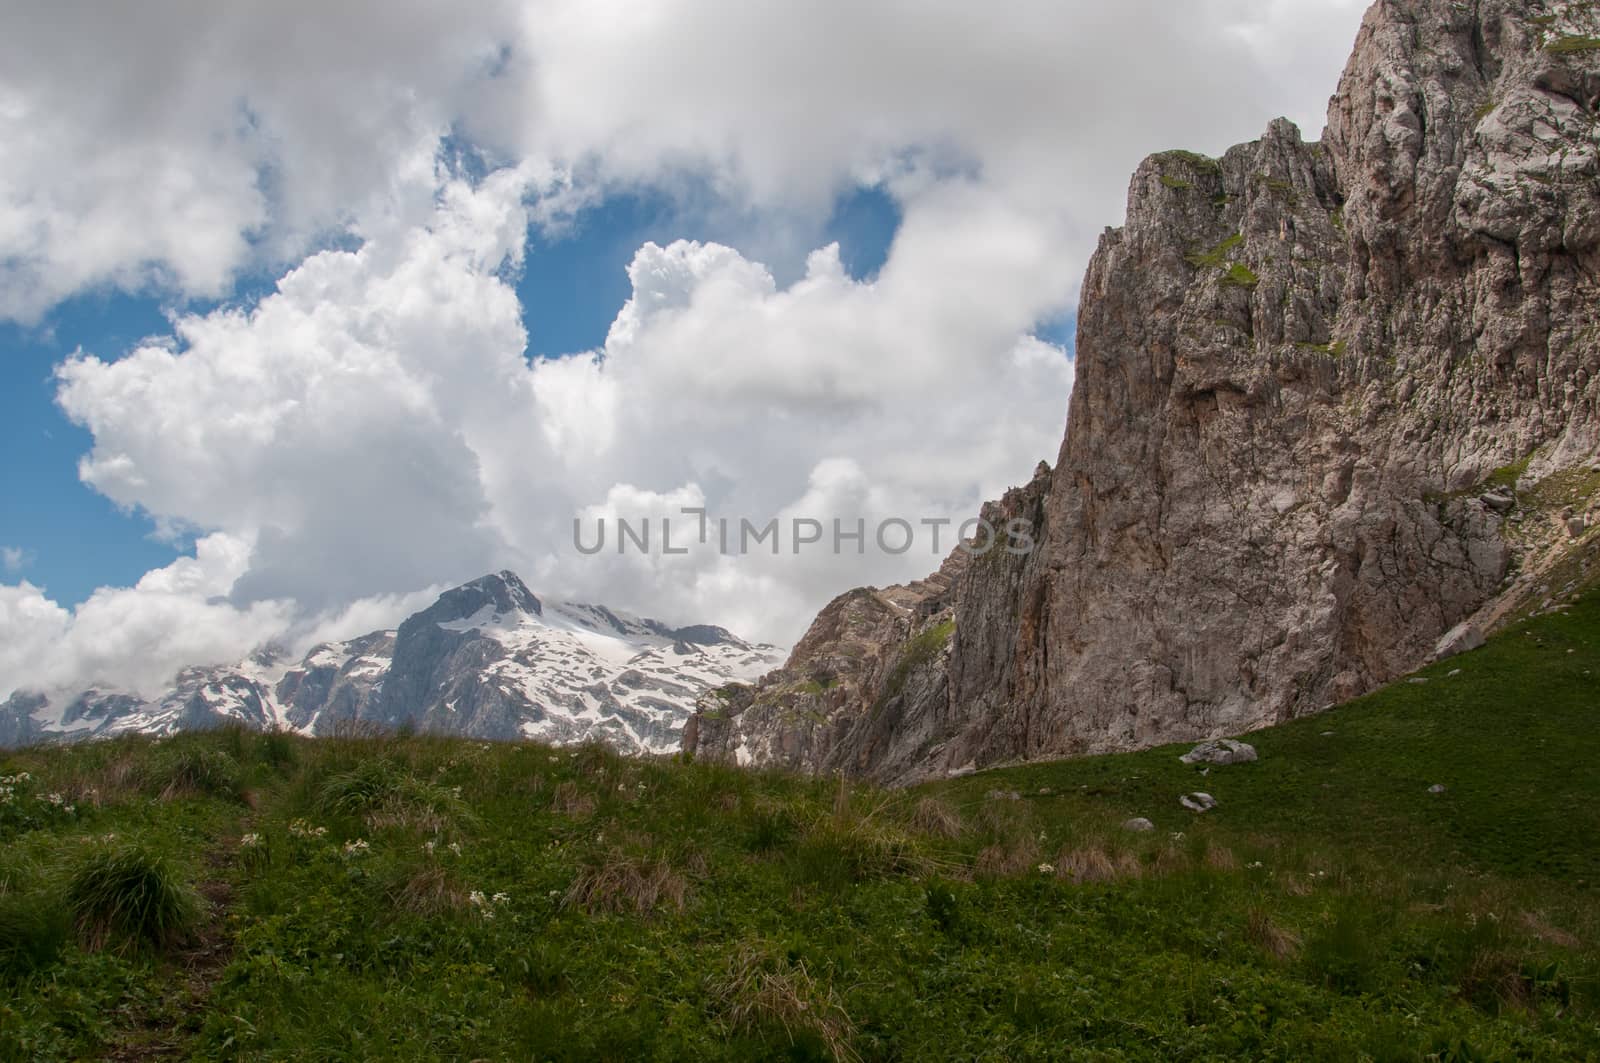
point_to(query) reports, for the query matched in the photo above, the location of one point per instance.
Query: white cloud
(169, 145)
(14, 559)
(371, 427)
(135, 636)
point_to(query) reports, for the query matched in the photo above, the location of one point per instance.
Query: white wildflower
(1047, 869)
(501, 898)
(455, 847)
(477, 899)
(356, 848)
(249, 841)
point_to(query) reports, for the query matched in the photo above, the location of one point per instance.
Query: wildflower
(249, 841)
(1047, 869)
(455, 847)
(356, 848)
(501, 898)
(477, 899)
(428, 846)
(1177, 835)
(1254, 865)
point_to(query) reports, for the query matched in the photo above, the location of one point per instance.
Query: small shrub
(763, 991)
(130, 896)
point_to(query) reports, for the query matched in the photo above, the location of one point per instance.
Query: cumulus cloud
(136, 635)
(169, 145)
(372, 425)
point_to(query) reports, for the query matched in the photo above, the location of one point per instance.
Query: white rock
(1436, 788)
(1463, 638)
(1198, 802)
(1138, 825)
(1221, 751)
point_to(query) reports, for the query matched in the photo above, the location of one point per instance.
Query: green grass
(1201, 163)
(418, 898)
(128, 896)
(1238, 275)
(1573, 45)
(1217, 257)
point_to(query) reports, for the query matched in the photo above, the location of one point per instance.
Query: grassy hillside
(246, 896)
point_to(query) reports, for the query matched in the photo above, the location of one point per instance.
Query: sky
(308, 311)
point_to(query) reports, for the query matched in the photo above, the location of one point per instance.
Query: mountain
(487, 660)
(1336, 411)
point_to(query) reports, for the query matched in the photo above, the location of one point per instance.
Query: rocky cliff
(1332, 401)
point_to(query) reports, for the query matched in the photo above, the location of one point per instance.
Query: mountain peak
(504, 591)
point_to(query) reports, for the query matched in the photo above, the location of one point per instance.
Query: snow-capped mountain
(486, 660)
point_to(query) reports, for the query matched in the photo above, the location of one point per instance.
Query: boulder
(1463, 638)
(1500, 501)
(1221, 751)
(1198, 802)
(1138, 824)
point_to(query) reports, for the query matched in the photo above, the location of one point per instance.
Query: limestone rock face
(1299, 369)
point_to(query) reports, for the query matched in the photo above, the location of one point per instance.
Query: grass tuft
(618, 883)
(127, 896)
(763, 991)
(936, 819)
(190, 771)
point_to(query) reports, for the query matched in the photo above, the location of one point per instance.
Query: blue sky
(73, 539)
